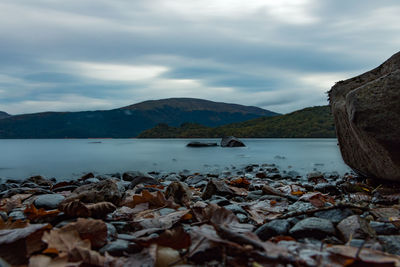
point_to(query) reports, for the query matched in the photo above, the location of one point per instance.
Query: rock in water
(231, 141)
(201, 144)
(366, 109)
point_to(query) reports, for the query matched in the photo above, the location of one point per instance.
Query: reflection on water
(68, 158)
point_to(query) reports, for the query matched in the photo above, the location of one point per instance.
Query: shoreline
(251, 211)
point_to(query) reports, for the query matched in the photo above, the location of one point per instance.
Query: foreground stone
(367, 117)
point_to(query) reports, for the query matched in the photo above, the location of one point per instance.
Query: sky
(279, 55)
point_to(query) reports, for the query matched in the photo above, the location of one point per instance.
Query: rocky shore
(255, 216)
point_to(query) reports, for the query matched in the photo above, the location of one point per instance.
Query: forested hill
(313, 122)
(128, 121)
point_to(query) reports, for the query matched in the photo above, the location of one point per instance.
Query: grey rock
(334, 215)
(254, 195)
(355, 227)
(384, 228)
(367, 117)
(48, 201)
(390, 243)
(231, 141)
(92, 180)
(235, 208)
(242, 218)
(119, 247)
(172, 178)
(312, 227)
(273, 228)
(166, 211)
(216, 187)
(136, 178)
(220, 201)
(17, 215)
(327, 188)
(112, 233)
(65, 188)
(192, 180)
(3, 216)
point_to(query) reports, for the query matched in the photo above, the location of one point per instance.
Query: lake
(70, 158)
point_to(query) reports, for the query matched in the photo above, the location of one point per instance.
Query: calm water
(66, 159)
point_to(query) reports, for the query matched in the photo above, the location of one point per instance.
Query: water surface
(69, 158)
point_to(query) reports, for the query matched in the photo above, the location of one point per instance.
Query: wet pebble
(48, 201)
(273, 228)
(334, 215)
(390, 243)
(312, 227)
(384, 228)
(119, 247)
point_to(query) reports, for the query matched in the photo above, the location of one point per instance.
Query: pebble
(273, 228)
(383, 228)
(48, 201)
(390, 243)
(119, 247)
(354, 227)
(334, 215)
(312, 227)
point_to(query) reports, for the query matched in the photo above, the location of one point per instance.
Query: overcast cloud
(279, 55)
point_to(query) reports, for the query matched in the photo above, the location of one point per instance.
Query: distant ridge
(313, 122)
(128, 121)
(4, 115)
(192, 104)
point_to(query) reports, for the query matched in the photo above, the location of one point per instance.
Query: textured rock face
(366, 109)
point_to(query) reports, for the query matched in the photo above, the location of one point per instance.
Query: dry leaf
(8, 204)
(179, 192)
(166, 256)
(75, 209)
(176, 238)
(9, 224)
(16, 245)
(101, 209)
(63, 241)
(240, 182)
(32, 213)
(318, 199)
(94, 230)
(154, 220)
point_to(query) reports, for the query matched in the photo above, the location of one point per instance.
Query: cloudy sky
(280, 55)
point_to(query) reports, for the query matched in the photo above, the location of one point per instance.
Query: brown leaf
(179, 192)
(318, 199)
(16, 245)
(176, 238)
(32, 213)
(154, 220)
(64, 240)
(240, 182)
(75, 209)
(101, 209)
(94, 230)
(155, 200)
(8, 204)
(9, 224)
(239, 191)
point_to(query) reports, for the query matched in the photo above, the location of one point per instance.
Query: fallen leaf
(179, 192)
(175, 238)
(93, 230)
(75, 209)
(318, 199)
(8, 204)
(16, 245)
(240, 182)
(154, 220)
(166, 256)
(9, 224)
(46, 261)
(64, 240)
(32, 213)
(155, 200)
(101, 209)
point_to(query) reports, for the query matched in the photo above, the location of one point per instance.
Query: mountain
(4, 115)
(313, 122)
(127, 121)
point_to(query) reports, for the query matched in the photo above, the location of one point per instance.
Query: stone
(355, 227)
(92, 180)
(334, 215)
(119, 247)
(371, 244)
(231, 141)
(172, 178)
(106, 190)
(242, 218)
(235, 208)
(136, 178)
(220, 201)
(201, 144)
(312, 227)
(384, 228)
(48, 201)
(390, 243)
(327, 188)
(366, 111)
(192, 180)
(273, 228)
(39, 180)
(112, 233)
(17, 215)
(216, 187)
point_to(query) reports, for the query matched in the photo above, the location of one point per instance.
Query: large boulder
(231, 141)
(366, 109)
